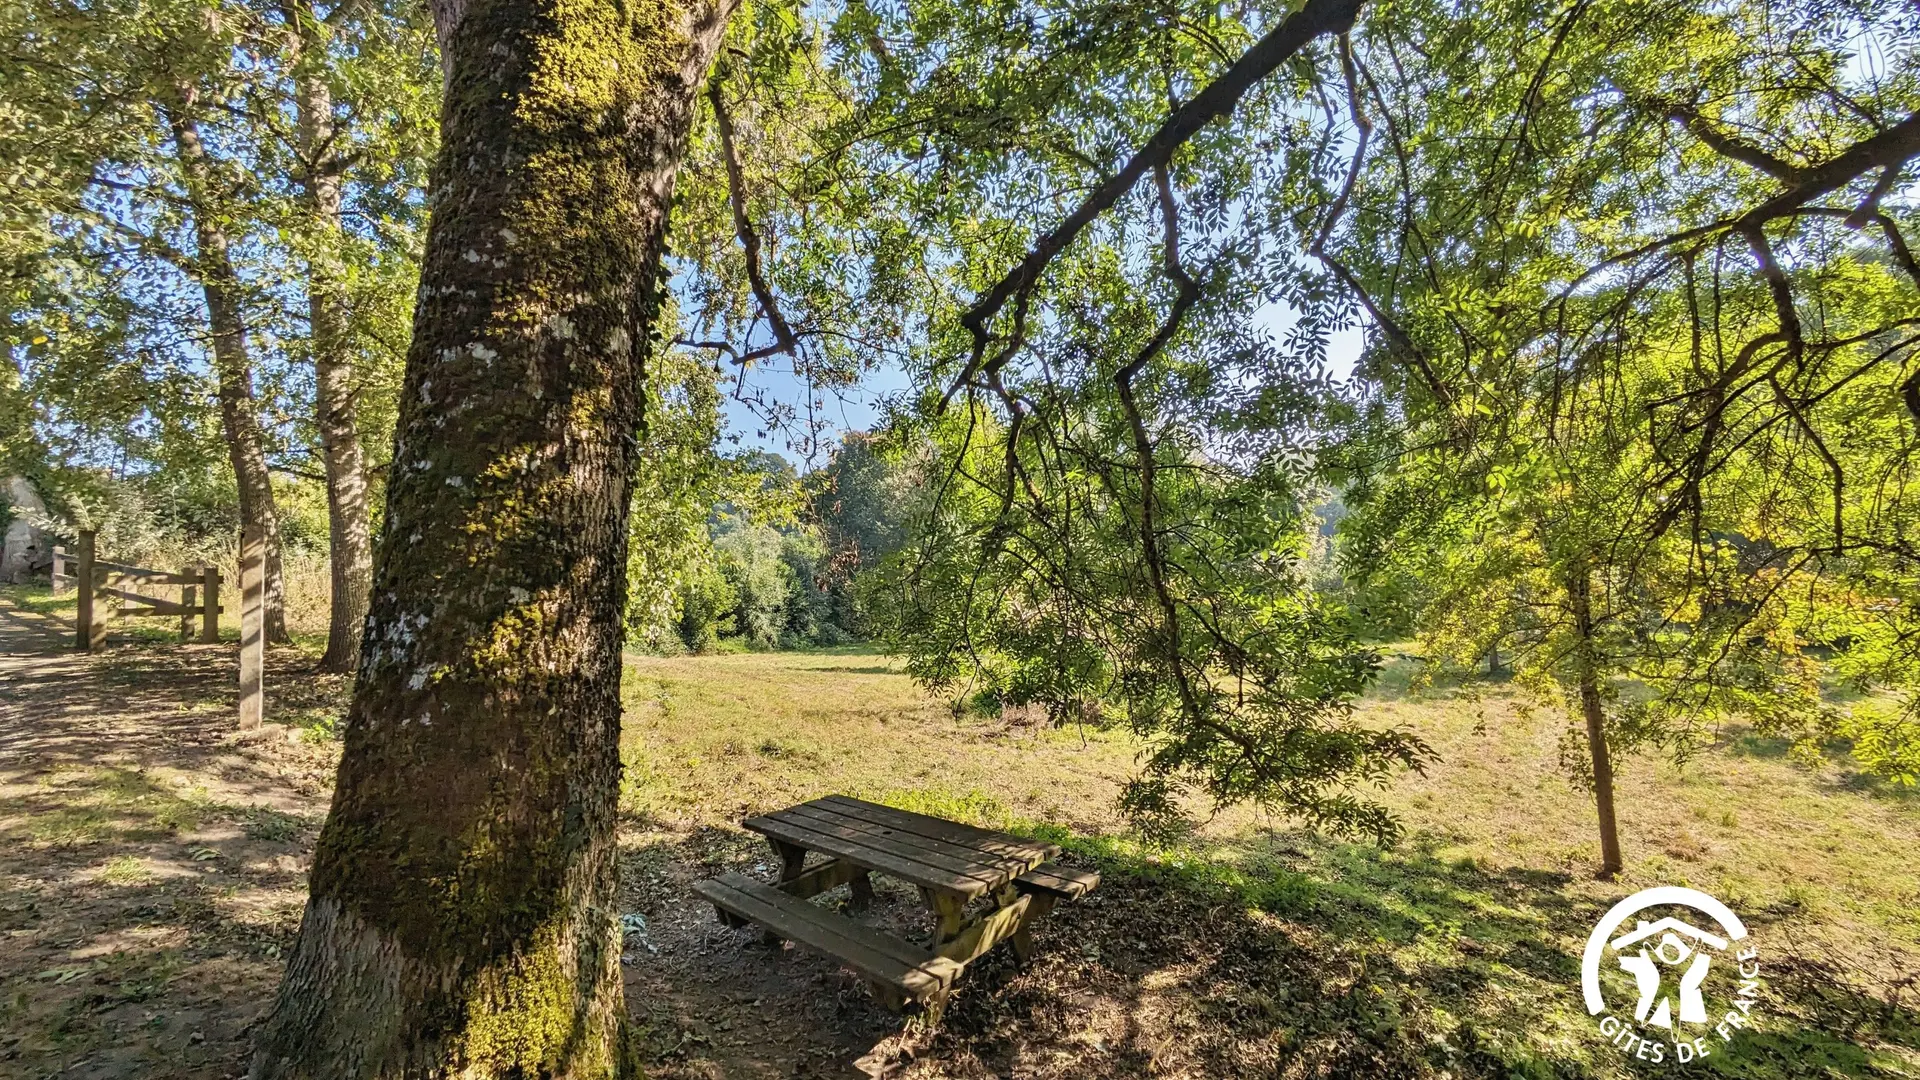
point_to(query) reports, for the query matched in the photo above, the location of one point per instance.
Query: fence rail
(99, 583)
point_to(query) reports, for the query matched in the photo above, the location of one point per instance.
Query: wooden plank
(872, 953)
(934, 827)
(1038, 904)
(905, 867)
(855, 850)
(210, 607)
(956, 857)
(253, 624)
(992, 870)
(90, 623)
(832, 873)
(949, 915)
(793, 859)
(973, 942)
(992, 850)
(1058, 880)
(968, 864)
(938, 828)
(145, 576)
(159, 606)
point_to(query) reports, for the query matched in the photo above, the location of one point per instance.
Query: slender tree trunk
(1580, 589)
(462, 916)
(239, 416)
(350, 542)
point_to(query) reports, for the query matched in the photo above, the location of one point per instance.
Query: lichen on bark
(462, 919)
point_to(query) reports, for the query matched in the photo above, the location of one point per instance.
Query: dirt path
(152, 861)
(155, 860)
(153, 864)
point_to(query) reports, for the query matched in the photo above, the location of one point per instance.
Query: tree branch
(1730, 146)
(1870, 208)
(1833, 464)
(1889, 149)
(1397, 336)
(783, 337)
(1186, 295)
(1217, 99)
(304, 474)
(1778, 286)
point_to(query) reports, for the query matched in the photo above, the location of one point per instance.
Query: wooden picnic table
(981, 888)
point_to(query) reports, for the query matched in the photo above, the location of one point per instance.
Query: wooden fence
(104, 586)
(199, 599)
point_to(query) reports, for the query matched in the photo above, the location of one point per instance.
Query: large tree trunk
(1580, 590)
(462, 913)
(239, 416)
(350, 542)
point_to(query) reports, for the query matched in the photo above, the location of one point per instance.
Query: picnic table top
(935, 853)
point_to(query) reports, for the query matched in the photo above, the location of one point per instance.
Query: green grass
(1468, 933)
(124, 870)
(78, 806)
(40, 600)
(710, 736)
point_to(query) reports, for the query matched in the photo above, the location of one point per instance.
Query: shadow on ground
(154, 857)
(152, 867)
(1307, 959)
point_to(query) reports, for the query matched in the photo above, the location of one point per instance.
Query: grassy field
(1458, 948)
(137, 831)
(709, 738)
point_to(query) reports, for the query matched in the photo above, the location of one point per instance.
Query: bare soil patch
(154, 859)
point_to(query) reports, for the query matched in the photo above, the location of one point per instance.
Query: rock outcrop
(28, 549)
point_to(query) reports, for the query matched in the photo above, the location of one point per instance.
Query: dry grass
(1465, 938)
(1255, 949)
(709, 738)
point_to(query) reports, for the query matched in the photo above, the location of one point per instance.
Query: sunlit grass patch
(41, 600)
(1463, 939)
(83, 805)
(125, 870)
(709, 737)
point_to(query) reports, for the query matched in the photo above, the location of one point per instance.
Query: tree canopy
(1633, 277)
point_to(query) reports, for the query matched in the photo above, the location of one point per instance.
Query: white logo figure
(1671, 952)
(1669, 959)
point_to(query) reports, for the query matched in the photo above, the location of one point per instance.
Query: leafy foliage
(1636, 411)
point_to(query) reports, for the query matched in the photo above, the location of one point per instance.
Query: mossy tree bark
(212, 266)
(322, 178)
(461, 919)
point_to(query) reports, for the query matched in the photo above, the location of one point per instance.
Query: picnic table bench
(982, 888)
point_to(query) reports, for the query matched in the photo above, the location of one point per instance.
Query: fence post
(186, 613)
(210, 609)
(60, 568)
(253, 638)
(90, 624)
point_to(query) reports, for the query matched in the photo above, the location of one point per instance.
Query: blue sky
(859, 407)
